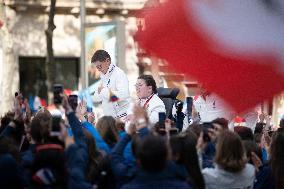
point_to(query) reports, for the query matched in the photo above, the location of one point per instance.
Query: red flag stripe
(243, 83)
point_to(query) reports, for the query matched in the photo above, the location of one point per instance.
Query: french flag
(235, 48)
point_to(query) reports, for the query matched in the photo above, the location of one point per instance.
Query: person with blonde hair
(232, 169)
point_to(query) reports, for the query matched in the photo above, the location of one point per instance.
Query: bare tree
(9, 69)
(50, 63)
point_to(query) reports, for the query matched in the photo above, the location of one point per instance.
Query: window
(33, 77)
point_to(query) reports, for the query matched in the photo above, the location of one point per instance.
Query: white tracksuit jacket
(115, 80)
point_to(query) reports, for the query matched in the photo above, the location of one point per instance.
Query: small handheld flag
(112, 97)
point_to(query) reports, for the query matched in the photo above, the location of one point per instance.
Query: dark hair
(230, 153)
(41, 127)
(5, 120)
(259, 128)
(18, 132)
(281, 124)
(119, 125)
(195, 128)
(106, 127)
(257, 138)
(100, 55)
(152, 153)
(150, 81)
(276, 159)
(222, 122)
(53, 161)
(95, 158)
(183, 146)
(244, 132)
(8, 146)
(251, 146)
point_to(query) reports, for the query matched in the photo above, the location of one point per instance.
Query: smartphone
(162, 118)
(73, 101)
(56, 128)
(56, 123)
(57, 90)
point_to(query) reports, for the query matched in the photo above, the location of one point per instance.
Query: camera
(57, 91)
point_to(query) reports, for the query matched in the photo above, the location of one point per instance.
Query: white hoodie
(217, 178)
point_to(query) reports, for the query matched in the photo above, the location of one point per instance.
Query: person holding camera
(114, 82)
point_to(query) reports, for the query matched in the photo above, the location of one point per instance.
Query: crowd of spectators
(40, 150)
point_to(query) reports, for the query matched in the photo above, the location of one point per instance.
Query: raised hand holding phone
(65, 103)
(18, 101)
(57, 93)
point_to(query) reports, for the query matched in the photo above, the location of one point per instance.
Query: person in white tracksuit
(146, 90)
(113, 82)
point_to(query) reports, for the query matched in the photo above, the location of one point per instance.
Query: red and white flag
(233, 47)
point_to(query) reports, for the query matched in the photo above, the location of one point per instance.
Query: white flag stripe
(241, 26)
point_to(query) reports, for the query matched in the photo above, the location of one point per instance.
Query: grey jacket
(217, 178)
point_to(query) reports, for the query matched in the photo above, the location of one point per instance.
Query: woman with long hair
(232, 169)
(277, 158)
(106, 126)
(184, 152)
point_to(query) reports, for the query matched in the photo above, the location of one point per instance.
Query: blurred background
(43, 42)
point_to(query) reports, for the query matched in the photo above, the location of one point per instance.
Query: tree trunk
(9, 69)
(50, 64)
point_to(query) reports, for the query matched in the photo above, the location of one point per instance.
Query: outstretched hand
(66, 104)
(140, 117)
(256, 161)
(27, 111)
(81, 108)
(200, 143)
(18, 107)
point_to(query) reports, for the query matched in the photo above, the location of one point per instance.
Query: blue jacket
(208, 156)
(264, 178)
(77, 156)
(121, 171)
(124, 169)
(129, 158)
(160, 180)
(11, 174)
(27, 159)
(101, 144)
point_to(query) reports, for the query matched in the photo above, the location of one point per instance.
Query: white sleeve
(104, 94)
(154, 114)
(122, 87)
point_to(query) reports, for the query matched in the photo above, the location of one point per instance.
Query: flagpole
(83, 76)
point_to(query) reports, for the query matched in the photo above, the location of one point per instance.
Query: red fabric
(239, 119)
(49, 147)
(242, 82)
(43, 102)
(67, 92)
(1, 24)
(196, 97)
